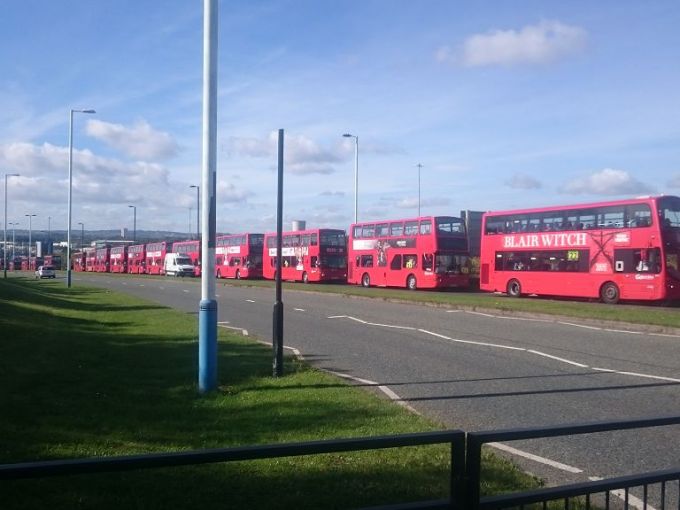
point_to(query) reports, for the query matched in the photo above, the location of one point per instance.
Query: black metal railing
(456, 438)
(465, 468)
(584, 490)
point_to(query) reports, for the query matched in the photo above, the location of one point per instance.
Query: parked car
(45, 272)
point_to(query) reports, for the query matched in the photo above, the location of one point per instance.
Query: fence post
(457, 492)
(473, 471)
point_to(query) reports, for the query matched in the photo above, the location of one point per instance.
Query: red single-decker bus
(239, 256)
(118, 259)
(136, 259)
(625, 249)
(317, 255)
(427, 252)
(102, 260)
(155, 257)
(191, 249)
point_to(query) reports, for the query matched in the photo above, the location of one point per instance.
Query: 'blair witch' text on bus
(545, 240)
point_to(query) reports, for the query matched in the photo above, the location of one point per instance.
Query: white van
(176, 264)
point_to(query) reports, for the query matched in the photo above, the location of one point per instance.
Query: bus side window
(396, 262)
(427, 262)
(367, 261)
(314, 261)
(410, 261)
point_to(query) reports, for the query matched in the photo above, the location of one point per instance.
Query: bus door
(640, 269)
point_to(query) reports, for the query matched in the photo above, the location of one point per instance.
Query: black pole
(278, 304)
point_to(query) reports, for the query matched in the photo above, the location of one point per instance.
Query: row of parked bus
(627, 249)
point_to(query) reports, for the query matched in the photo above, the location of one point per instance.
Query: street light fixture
(82, 236)
(29, 216)
(134, 227)
(198, 210)
(356, 174)
(4, 245)
(70, 191)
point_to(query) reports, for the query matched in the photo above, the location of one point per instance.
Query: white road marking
(539, 353)
(536, 458)
(459, 341)
(635, 374)
(249, 301)
(579, 325)
(621, 494)
(223, 322)
(299, 309)
(141, 285)
(453, 311)
(483, 314)
(185, 290)
(623, 331)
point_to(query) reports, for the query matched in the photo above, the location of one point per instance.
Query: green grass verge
(651, 314)
(89, 372)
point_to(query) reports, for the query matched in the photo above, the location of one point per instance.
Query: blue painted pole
(207, 313)
(277, 342)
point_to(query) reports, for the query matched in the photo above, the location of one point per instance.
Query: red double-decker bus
(239, 256)
(90, 259)
(118, 259)
(78, 261)
(626, 249)
(53, 260)
(191, 249)
(428, 252)
(317, 255)
(102, 260)
(155, 257)
(136, 259)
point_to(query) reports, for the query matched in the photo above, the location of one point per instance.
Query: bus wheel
(514, 288)
(305, 277)
(238, 274)
(411, 283)
(366, 280)
(609, 293)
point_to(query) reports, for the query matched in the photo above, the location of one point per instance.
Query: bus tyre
(238, 274)
(609, 293)
(366, 280)
(411, 283)
(514, 288)
(305, 277)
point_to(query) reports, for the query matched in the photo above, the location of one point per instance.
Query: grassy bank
(88, 372)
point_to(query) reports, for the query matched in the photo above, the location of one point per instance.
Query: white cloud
(412, 203)
(332, 194)
(522, 181)
(607, 182)
(674, 182)
(302, 156)
(140, 141)
(227, 192)
(533, 44)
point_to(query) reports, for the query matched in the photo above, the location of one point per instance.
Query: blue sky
(505, 104)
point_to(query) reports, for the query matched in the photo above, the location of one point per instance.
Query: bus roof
(394, 220)
(638, 200)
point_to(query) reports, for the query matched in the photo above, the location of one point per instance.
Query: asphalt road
(475, 371)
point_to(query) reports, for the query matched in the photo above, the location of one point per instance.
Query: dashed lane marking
(250, 301)
(536, 458)
(244, 332)
(569, 362)
(621, 494)
(299, 309)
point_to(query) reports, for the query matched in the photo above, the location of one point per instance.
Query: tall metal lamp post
(4, 246)
(134, 223)
(70, 191)
(82, 235)
(13, 238)
(198, 210)
(356, 174)
(30, 229)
